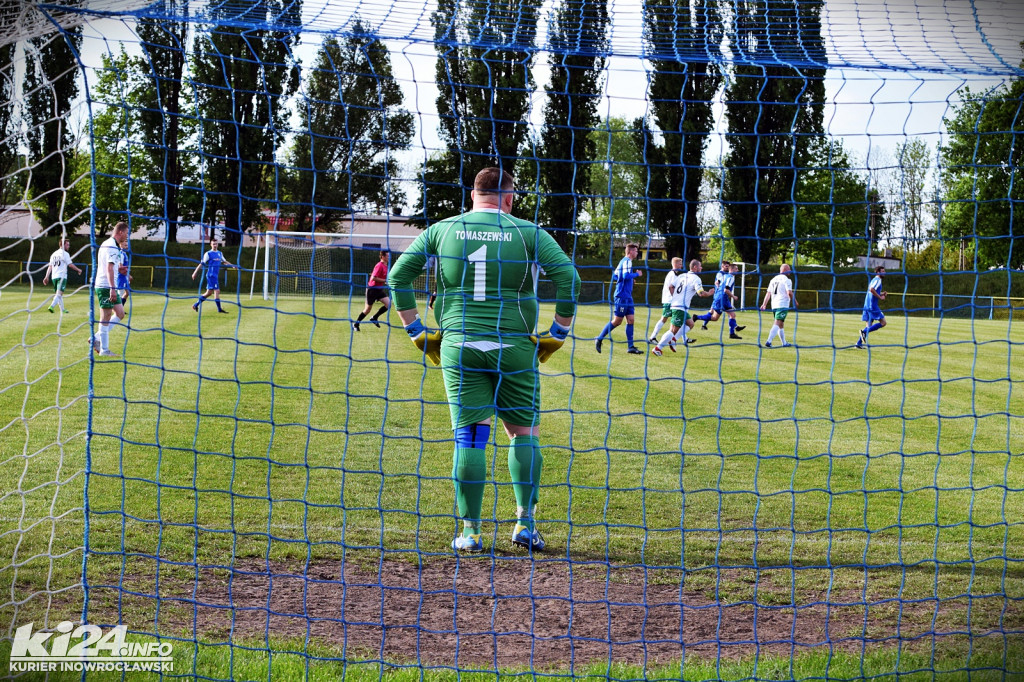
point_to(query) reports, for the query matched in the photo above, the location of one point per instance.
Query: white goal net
(327, 264)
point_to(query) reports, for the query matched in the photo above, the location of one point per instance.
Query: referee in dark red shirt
(376, 290)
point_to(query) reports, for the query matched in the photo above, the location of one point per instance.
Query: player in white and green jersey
(780, 293)
(108, 259)
(683, 286)
(57, 270)
(487, 345)
(666, 298)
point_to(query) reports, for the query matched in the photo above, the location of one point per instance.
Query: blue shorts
(622, 308)
(122, 282)
(721, 304)
(212, 282)
(872, 314)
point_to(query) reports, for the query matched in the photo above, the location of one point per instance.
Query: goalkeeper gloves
(428, 342)
(548, 343)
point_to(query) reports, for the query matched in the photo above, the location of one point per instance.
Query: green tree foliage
(774, 112)
(484, 93)
(617, 205)
(352, 124)
(833, 208)
(122, 167)
(683, 39)
(50, 87)
(578, 41)
(242, 77)
(160, 93)
(981, 174)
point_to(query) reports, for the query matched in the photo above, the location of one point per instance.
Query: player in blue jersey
(725, 282)
(124, 278)
(622, 298)
(873, 314)
(212, 259)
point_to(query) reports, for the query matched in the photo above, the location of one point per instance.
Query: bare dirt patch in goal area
(496, 611)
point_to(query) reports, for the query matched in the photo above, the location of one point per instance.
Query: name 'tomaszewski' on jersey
(484, 236)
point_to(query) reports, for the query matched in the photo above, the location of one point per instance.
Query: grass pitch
(894, 472)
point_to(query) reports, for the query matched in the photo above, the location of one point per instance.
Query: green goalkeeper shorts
(487, 375)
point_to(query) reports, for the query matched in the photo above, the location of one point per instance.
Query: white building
(17, 222)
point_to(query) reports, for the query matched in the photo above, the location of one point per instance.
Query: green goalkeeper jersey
(488, 264)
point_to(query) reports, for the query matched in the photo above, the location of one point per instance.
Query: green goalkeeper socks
(524, 465)
(468, 472)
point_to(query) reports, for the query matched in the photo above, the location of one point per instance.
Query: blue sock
(875, 327)
(217, 301)
(732, 325)
(705, 318)
(200, 301)
(629, 335)
(607, 330)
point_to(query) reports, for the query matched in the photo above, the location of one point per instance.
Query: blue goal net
(781, 438)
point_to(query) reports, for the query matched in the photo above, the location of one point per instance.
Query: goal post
(326, 263)
(740, 287)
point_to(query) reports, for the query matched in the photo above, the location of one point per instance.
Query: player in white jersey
(666, 300)
(57, 270)
(108, 260)
(685, 285)
(780, 293)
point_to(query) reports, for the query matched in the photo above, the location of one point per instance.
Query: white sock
(681, 334)
(782, 335)
(114, 319)
(657, 328)
(772, 333)
(665, 339)
(521, 512)
(55, 301)
(104, 335)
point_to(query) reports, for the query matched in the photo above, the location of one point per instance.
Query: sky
(904, 62)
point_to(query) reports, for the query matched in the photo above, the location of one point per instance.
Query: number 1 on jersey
(479, 260)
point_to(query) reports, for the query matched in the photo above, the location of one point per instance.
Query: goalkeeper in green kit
(487, 343)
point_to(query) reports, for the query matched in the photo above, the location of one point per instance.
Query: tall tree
(774, 111)
(832, 220)
(353, 122)
(914, 165)
(50, 87)
(882, 193)
(242, 77)
(981, 174)
(683, 40)
(618, 180)
(122, 167)
(8, 124)
(578, 42)
(163, 60)
(485, 52)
